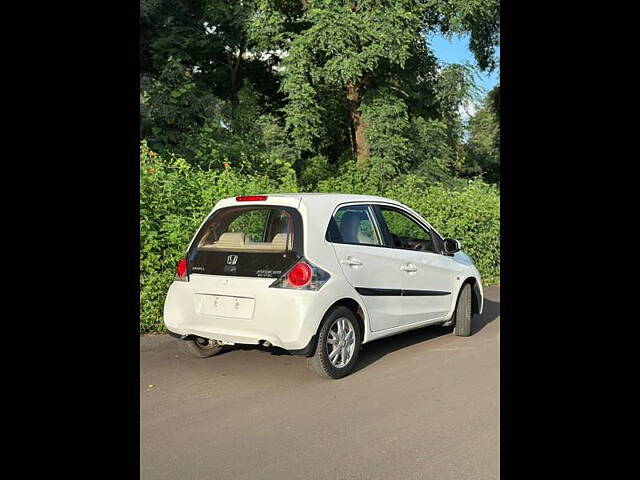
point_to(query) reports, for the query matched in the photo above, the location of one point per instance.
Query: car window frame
(436, 239)
(297, 247)
(374, 221)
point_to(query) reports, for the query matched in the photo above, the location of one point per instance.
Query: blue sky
(456, 50)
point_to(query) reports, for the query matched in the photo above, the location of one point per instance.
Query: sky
(456, 50)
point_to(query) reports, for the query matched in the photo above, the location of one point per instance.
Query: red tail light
(181, 270)
(299, 275)
(251, 198)
(304, 275)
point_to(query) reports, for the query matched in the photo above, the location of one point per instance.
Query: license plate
(224, 306)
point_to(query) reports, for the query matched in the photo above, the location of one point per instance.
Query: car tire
(462, 314)
(339, 333)
(196, 347)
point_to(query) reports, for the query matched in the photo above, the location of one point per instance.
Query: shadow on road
(374, 351)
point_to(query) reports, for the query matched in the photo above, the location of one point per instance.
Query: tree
(348, 80)
(483, 146)
(366, 65)
(211, 40)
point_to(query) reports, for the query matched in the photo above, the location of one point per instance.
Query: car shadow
(374, 351)
(271, 350)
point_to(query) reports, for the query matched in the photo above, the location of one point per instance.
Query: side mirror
(451, 246)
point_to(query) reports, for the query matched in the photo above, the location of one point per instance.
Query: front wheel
(200, 347)
(462, 314)
(338, 344)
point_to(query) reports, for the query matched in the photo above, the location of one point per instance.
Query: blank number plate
(224, 306)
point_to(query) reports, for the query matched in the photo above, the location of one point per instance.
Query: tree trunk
(234, 65)
(361, 147)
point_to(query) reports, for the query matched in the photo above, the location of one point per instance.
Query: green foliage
(251, 82)
(479, 18)
(431, 151)
(347, 44)
(483, 146)
(249, 140)
(173, 108)
(388, 122)
(316, 169)
(174, 200)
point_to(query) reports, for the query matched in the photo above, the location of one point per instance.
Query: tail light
(304, 275)
(181, 271)
(300, 275)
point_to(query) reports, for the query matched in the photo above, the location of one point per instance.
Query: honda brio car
(318, 275)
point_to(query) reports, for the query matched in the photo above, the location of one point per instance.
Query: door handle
(351, 261)
(409, 267)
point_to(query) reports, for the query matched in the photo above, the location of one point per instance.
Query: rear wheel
(200, 347)
(462, 315)
(338, 344)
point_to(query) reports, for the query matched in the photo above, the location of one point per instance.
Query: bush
(176, 197)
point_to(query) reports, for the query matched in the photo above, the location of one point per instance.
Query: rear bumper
(286, 318)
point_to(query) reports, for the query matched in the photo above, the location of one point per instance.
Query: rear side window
(248, 241)
(353, 224)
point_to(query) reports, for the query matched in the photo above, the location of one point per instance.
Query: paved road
(422, 405)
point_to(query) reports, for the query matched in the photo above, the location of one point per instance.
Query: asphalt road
(421, 405)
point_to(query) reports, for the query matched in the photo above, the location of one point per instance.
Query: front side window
(405, 232)
(354, 225)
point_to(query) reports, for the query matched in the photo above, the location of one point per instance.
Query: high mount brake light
(251, 198)
(181, 271)
(304, 275)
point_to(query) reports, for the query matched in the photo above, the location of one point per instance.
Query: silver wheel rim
(341, 342)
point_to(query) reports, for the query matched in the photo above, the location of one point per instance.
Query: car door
(427, 276)
(367, 264)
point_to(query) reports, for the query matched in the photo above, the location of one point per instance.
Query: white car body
(392, 289)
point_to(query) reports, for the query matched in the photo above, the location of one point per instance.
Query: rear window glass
(248, 241)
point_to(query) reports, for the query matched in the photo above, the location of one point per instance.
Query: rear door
(238, 251)
(367, 264)
(427, 276)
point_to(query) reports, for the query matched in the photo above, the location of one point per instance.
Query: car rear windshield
(247, 241)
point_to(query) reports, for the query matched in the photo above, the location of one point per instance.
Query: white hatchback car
(318, 275)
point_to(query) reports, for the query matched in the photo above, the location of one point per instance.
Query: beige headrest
(278, 244)
(280, 241)
(231, 240)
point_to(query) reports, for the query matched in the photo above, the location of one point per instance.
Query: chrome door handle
(351, 261)
(410, 267)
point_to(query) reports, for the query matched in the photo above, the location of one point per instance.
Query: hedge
(175, 197)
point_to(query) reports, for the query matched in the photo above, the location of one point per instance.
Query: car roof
(310, 199)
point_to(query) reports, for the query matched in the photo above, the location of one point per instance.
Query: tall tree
(364, 51)
(211, 39)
